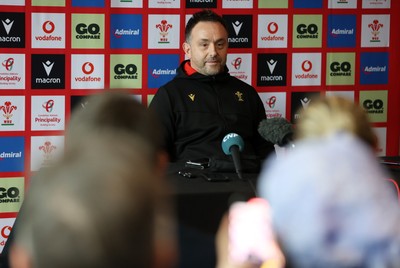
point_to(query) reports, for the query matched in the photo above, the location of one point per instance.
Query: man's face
(207, 48)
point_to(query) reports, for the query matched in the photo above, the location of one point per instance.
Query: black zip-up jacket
(197, 111)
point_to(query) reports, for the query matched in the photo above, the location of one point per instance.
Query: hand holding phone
(251, 237)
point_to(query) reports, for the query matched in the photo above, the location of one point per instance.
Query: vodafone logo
(272, 27)
(306, 66)
(5, 231)
(48, 27)
(87, 68)
(236, 63)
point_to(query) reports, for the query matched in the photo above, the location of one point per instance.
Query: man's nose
(212, 51)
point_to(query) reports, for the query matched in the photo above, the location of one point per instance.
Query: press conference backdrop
(53, 52)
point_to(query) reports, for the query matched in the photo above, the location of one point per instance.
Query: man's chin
(213, 71)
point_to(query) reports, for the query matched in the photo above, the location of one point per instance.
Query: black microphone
(276, 130)
(233, 144)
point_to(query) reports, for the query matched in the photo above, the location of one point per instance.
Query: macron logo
(237, 26)
(48, 66)
(7, 25)
(271, 65)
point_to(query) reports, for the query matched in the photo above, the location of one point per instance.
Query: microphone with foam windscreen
(276, 130)
(233, 144)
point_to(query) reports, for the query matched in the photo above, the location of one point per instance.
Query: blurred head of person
(331, 206)
(329, 115)
(105, 203)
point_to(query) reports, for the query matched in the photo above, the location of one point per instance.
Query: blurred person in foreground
(105, 203)
(204, 103)
(330, 203)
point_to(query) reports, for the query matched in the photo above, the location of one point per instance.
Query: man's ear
(19, 257)
(187, 49)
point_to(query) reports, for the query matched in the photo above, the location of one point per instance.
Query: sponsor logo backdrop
(54, 52)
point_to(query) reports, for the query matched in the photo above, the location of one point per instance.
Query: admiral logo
(87, 69)
(374, 106)
(12, 30)
(340, 69)
(307, 31)
(374, 69)
(272, 68)
(7, 110)
(163, 28)
(10, 155)
(125, 72)
(342, 30)
(118, 33)
(9, 195)
(48, 71)
(375, 27)
(336, 32)
(85, 31)
(157, 72)
(126, 31)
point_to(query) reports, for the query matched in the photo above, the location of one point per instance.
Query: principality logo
(8, 64)
(7, 110)
(236, 63)
(163, 28)
(271, 102)
(48, 105)
(375, 26)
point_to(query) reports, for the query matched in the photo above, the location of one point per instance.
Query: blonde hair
(333, 114)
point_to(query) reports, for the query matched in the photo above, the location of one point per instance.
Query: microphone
(276, 130)
(233, 144)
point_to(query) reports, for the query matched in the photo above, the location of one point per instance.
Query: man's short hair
(204, 15)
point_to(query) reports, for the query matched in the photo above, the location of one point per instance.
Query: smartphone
(251, 236)
(215, 177)
(200, 163)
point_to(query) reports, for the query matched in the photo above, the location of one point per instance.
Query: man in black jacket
(204, 102)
